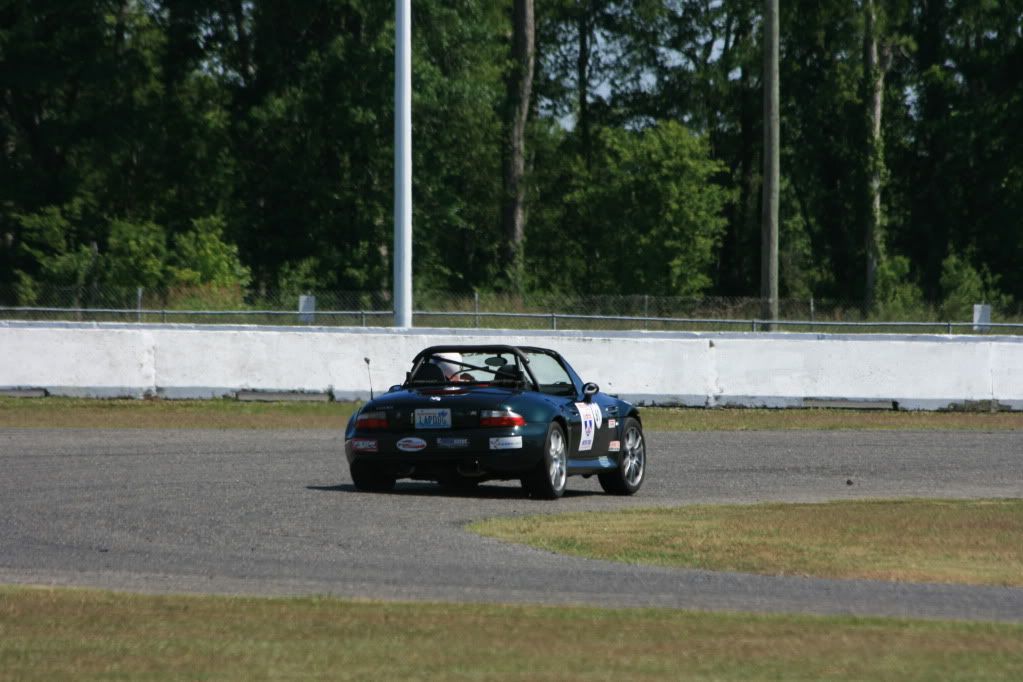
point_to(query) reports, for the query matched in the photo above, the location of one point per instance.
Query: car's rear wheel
(371, 478)
(547, 480)
(628, 476)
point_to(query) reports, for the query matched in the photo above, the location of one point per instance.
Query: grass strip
(48, 634)
(233, 414)
(977, 542)
(821, 419)
(172, 414)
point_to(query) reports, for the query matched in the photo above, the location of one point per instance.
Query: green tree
(48, 241)
(958, 173)
(461, 53)
(897, 296)
(650, 215)
(201, 256)
(137, 255)
(963, 285)
(126, 125)
(106, 114)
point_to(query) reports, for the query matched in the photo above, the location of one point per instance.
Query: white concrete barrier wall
(667, 368)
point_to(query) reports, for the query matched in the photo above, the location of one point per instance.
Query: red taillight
(371, 420)
(501, 418)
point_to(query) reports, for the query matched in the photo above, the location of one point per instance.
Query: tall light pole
(403, 164)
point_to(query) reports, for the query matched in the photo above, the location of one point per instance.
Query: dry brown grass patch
(946, 541)
(73, 634)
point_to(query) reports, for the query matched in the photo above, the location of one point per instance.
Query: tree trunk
(519, 92)
(876, 61)
(772, 167)
(582, 67)
(244, 52)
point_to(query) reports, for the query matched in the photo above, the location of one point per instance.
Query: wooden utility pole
(772, 168)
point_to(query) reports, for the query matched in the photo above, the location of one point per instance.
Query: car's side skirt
(592, 466)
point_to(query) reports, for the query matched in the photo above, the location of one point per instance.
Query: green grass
(51, 634)
(226, 414)
(740, 419)
(947, 541)
(156, 414)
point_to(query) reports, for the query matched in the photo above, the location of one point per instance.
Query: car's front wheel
(627, 477)
(547, 480)
(371, 478)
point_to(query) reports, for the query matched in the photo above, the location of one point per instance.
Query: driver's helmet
(448, 363)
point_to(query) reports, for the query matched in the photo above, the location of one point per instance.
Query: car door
(592, 426)
(588, 433)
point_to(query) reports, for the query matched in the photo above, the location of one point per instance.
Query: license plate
(436, 418)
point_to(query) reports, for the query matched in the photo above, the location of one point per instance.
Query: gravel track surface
(274, 512)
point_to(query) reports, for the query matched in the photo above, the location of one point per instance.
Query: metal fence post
(306, 309)
(362, 314)
(138, 302)
(476, 307)
(554, 321)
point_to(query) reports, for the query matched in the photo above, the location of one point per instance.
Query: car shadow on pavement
(485, 492)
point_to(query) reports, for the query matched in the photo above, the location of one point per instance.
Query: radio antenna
(370, 375)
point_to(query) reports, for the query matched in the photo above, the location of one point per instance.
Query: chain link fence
(199, 305)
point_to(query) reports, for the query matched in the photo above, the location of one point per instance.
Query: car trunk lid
(439, 408)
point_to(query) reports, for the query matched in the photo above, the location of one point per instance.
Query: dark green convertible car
(467, 414)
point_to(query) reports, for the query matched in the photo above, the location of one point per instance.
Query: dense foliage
(249, 143)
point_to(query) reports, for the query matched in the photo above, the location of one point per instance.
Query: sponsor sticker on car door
(589, 426)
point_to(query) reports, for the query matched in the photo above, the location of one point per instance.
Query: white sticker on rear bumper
(507, 443)
(411, 444)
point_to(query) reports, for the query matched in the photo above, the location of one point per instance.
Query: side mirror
(589, 390)
(392, 389)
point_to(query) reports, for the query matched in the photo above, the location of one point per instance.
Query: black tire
(369, 478)
(627, 478)
(547, 481)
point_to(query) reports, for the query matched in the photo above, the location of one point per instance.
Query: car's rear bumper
(482, 452)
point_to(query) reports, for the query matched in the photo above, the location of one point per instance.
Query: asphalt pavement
(274, 513)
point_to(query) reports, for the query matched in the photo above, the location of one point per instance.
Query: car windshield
(550, 374)
(482, 367)
(498, 368)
